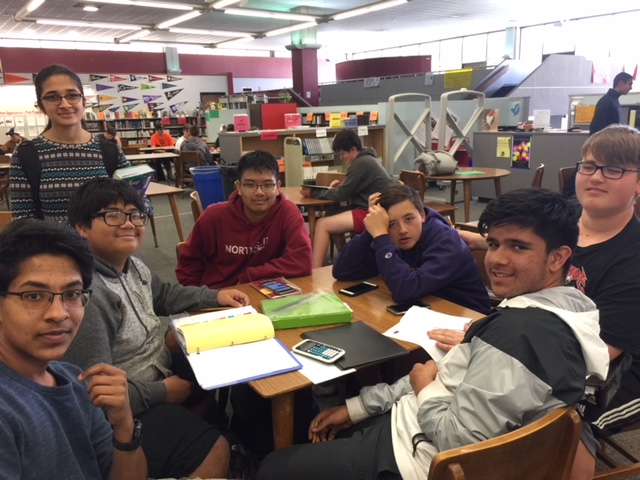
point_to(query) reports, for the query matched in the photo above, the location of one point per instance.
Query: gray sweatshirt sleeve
(172, 298)
(377, 399)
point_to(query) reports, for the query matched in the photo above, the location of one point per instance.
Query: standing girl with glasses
(68, 154)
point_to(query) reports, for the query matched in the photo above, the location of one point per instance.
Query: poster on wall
(521, 153)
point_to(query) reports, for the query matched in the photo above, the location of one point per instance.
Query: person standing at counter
(608, 110)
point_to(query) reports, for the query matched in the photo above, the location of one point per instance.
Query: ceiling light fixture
(368, 9)
(90, 8)
(27, 9)
(223, 3)
(292, 28)
(141, 3)
(214, 33)
(180, 19)
(232, 43)
(73, 23)
(247, 12)
(132, 36)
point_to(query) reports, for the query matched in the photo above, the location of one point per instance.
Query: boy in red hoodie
(257, 234)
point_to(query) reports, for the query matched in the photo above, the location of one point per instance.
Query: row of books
(310, 173)
(316, 146)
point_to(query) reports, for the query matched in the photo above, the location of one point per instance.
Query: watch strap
(135, 442)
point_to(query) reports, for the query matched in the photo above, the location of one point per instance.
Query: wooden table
(158, 189)
(155, 149)
(151, 156)
(311, 204)
(487, 174)
(370, 308)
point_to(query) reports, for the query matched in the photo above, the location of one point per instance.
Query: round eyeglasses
(56, 99)
(612, 173)
(116, 218)
(41, 300)
(266, 187)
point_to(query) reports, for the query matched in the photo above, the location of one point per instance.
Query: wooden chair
(130, 150)
(537, 178)
(179, 246)
(417, 181)
(196, 205)
(543, 450)
(616, 469)
(564, 177)
(182, 165)
(5, 219)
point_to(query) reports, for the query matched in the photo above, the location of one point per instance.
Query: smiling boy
(415, 250)
(257, 234)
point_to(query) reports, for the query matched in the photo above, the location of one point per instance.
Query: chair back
(414, 180)
(185, 161)
(564, 177)
(537, 178)
(543, 450)
(130, 150)
(6, 159)
(196, 205)
(179, 246)
(324, 179)
(5, 219)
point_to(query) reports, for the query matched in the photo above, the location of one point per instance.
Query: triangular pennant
(101, 87)
(90, 98)
(150, 98)
(100, 108)
(95, 78)
(176, 108)
(115, 78)
(137, 78)
(173, 79)
(123, 88)
(155, 79)
(105, 98)
(10, 78)
(155, 106)
(168, 85)
(172, 93)
(114, 109)
(127, 108)
(144, 86)
(128, 99)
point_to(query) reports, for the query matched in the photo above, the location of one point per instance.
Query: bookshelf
(139, 130)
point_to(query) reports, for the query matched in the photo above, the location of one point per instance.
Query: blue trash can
(208, 183)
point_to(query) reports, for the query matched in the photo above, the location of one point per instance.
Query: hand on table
(445, 339)
(422, 375)
(335, 184)
(328, 423)
(305, 192)
(178, 390)
(232, 298)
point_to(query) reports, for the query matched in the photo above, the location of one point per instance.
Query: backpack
(436, 163)
(28, 156)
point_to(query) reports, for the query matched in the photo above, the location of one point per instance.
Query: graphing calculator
(318, 351)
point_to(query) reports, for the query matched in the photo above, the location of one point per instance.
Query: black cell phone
(358, 289)
(278, 287)
(402, 308)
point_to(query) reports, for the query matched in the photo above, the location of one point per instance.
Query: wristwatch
(135, 443)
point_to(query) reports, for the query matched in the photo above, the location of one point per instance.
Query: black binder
(362, 344)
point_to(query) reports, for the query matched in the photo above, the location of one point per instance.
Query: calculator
(318, 351)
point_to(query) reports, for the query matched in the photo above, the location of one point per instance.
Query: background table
(369, 308)
(487, 174)
(311, 204)
(158, 189)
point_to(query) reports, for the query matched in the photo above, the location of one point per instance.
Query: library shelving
(141, 129)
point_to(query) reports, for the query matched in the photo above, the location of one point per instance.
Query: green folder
(306, 310)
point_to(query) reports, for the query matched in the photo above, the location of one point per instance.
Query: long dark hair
(52, 71)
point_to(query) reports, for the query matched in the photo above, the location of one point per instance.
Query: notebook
(362, 344)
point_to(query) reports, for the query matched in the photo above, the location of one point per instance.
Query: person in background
(257, 234)
(57, 421)
(415, 250)
(223, 128)
(544, 339)
(111, 135)
(68, 154)
(193, 143)
(365, 176)
(162, 138)
(15, 138)
(608, 110)
(185, 134)
(122, 328)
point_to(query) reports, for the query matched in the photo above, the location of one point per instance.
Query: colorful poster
(503, 147)
(521, 153)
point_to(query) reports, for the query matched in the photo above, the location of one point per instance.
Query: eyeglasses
(41, 300)
(55, 99)
(612, 173)
(266, 186)
(116, 218)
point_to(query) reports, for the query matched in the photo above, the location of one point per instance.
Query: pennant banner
(105, 98)
(173, 79)
(128, 99)
(101, 87)
(129, 107)
(100, 108)
(168, 85)
(144, 86)
(123, 88)
(176, 108)
(155, 106)
(137, 78)
(172, 93)
(115, 78)
(10, 78)
(114, 109)
(150, 98)
(155, 79)
(94, 78)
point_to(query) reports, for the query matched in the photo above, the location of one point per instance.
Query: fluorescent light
(215, 33)
(131, 36)
(27, 9)
(136, 3)
(368, 9)
(73, 23)
(180, 19)
(292, 28)
(224, 3)
(90, 8)
(227, 43)
(247, 12)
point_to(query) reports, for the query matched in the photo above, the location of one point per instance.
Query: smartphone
(402, 308)
(278, 287)
(358, 289)
(318, 351)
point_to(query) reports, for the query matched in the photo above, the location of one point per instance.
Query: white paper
(321, 132)
(319, 372)
(542, 119)
(363, 131)
(415, 324)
